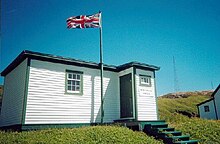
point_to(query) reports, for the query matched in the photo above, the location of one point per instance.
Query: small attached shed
(42, 90)
(210, 109)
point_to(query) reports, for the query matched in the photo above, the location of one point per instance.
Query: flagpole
(101, 69)
(79, 22)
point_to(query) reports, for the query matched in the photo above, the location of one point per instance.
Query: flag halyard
(84, 21)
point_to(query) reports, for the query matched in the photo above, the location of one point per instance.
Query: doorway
(126, 99)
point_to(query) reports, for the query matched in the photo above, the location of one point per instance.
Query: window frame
(206, 108)
(80, 92)
(145, 84)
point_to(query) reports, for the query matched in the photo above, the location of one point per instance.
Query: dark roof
(213, 96)
(205, 101)
(137, 65)
(70, 61)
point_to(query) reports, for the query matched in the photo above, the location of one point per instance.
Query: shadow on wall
(92, 101)
(96, 98)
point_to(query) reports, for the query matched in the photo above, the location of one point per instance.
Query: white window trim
(148, 78)
(80, 80)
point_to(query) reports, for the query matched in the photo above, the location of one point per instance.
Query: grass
(181, 113)
(84, 135)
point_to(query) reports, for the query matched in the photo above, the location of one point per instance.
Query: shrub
(84, 135)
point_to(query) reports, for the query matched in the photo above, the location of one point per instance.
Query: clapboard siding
(14, 89)
(48, 103)
(146, 103)
(207, 115)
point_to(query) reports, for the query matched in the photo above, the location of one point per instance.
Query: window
(206, 108)
(145, 80)
(74, 82)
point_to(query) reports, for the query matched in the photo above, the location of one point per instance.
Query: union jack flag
(84, 21)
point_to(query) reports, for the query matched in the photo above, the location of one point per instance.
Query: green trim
(198, 111)
(68, 125)
(216, 112)
(26, 91)
(73, 71)
(24, 127)
(135, 94)
(156, 98)
(154, 122)
(81, 82)
(76, 94)
(138, 65)
(46, 126)
(154, 74)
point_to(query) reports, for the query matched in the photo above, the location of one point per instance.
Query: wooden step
(159, 125)
(187, 142)
(164, 135)
(172, 139)
(164, 129)
(172, 133)
(181, 137)
(148, 128)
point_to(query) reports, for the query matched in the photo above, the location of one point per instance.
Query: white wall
(207, 115)
(146, 98)
(217, 102)
(47, 102)
(13, 96)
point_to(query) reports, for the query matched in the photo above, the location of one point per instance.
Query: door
(126, 100)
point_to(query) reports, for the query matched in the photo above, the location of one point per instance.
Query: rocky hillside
(187, 94)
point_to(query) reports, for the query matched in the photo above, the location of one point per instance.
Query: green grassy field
(181, 113)
(84, 135)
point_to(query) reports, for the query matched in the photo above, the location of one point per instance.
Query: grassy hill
(179, 110)
(182, 113)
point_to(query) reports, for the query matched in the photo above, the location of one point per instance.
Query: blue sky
(147, 31)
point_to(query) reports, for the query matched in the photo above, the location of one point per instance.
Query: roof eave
(205, 102)
(138, 65)
(14, 63)
(58, 59)
(46, 57)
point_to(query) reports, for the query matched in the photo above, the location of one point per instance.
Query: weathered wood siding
(146, 97)
(207, 115)
(47, 102)
(217, 103)
(13, 96)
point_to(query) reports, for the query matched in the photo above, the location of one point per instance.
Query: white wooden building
(210, 109)
(45, 90)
